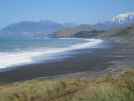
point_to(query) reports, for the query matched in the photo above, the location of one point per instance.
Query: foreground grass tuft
(108, 88)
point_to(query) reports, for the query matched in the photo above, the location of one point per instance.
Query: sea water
(23, 52)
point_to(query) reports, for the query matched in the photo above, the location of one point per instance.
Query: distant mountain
(41, 29)
(31, 28)
(119, 22)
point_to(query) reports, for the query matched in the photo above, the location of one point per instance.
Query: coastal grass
(107, 88)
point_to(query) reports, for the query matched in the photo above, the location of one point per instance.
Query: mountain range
(53, 29)
(31, 29)
(119, 25)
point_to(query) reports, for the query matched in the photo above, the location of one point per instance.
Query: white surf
(11, 59)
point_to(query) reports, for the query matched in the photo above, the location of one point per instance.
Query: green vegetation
(108, 88)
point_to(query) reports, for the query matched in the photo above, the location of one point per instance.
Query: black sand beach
(97, 59)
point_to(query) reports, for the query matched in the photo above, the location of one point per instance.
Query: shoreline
(85, 61)
(96, 61)
(45, 51)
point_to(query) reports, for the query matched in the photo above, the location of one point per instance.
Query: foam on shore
(10, 59)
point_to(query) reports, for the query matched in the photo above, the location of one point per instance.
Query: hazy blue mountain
(31, 28)
(41, 29)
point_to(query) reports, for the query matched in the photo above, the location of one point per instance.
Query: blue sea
(22, 52)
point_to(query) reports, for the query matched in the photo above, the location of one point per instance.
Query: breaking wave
(10, 59)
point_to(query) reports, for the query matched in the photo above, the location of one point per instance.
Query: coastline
(95, 61)
(88, 60)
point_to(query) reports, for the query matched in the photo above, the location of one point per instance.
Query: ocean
(22, 52)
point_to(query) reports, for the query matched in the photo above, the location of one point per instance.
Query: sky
(75, 11)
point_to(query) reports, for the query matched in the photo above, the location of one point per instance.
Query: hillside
(70, 32)
(121, 26)
(122, 33)
(112, 87)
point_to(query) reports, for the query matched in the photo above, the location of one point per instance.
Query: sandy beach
(96, 59)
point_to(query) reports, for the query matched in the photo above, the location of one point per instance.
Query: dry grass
(106, 88)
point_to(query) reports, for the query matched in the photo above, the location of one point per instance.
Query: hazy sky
(78, 11)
